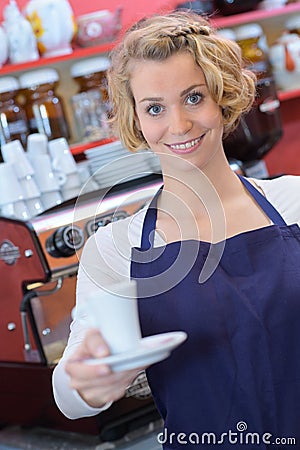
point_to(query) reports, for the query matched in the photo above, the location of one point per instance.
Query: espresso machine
(38, 265)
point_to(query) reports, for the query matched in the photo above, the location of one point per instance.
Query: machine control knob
(65, 241)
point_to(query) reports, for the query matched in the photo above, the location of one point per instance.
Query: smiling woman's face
(175, 111)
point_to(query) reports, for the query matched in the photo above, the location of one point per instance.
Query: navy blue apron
(235, 382)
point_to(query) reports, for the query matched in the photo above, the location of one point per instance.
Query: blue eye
(154, 110)
(194, 98)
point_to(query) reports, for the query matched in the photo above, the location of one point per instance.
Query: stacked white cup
(47, 181)
(86, 178)
(11, 196)
(14, 153)
(65, 168)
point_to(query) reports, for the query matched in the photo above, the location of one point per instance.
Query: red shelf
(77, 149)
(253, 16)
(77, 53)
(288, 95)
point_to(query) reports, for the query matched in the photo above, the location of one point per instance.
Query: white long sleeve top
(106, 259)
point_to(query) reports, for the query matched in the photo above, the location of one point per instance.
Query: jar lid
(88, 66)
(38, 77)
(250, 30)
(293, 23)
(227, 33)
(8, 84)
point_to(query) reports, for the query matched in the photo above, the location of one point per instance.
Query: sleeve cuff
(68, 400)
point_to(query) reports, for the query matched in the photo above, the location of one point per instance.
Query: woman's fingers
(97, 384)
(96, 387)
(93, 345)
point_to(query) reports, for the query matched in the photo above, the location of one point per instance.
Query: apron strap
(149, 225)
(265, 205)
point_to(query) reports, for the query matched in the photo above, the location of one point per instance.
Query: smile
(185, 147)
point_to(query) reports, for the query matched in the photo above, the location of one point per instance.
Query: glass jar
(252, 41)
(13, 119)
(292, 25)
(228, 7)
(260, 129)
(44, 108)
(91, 74)
(90, 104)
(227, 33)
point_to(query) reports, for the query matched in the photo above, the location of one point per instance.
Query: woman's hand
(96, 384)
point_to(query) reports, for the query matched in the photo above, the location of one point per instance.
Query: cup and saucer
(129, 350)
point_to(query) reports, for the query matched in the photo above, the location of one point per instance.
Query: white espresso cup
(16, 210)
(37, 144)
(29, 187)
(34, 206)
(71, 193)
(72, 180)
(51, 199)
(45, 178)
(14, 152)
(61, 156)
(114, 311)
(10, 188)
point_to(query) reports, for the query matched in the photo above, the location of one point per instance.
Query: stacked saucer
(112, 164)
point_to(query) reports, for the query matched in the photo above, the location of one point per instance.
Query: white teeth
(185, 146)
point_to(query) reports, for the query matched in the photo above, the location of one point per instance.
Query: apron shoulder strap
(149, 225)
(261, 200)
(150, 218)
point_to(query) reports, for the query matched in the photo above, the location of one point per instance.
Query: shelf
(288, 95)
(253, 16)
(217, 21)
(78, 149)
(77, 53)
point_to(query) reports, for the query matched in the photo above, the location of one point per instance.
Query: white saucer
(150, 350)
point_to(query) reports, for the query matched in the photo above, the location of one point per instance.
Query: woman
(224, 251)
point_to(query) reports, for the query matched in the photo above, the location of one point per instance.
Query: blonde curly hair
(156, 38)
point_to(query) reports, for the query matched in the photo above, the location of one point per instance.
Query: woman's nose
(180, 123)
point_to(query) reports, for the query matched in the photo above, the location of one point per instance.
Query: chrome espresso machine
(38, 267)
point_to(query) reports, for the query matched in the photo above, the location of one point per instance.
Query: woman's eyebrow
(182, 94)
(186, 91)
